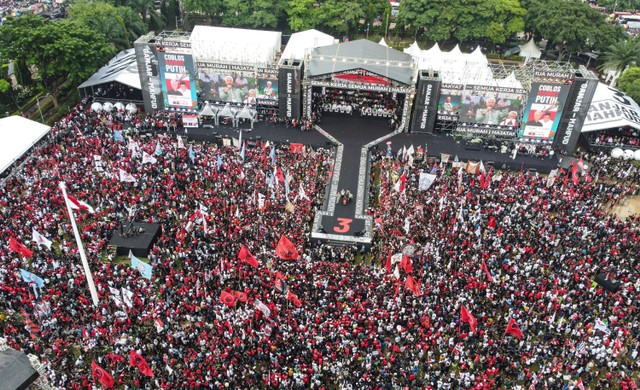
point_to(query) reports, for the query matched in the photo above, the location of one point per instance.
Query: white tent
(235, 45)
(414, 49)
(122, 69)
(611, 109)
(383, 42)
(18, 135)
(303, 42)
(530, 50)
(208, 110)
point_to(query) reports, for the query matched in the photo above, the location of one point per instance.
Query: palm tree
(620, 55)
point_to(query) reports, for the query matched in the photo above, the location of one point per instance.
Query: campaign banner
(552, 76)
(149, 76)
(578, 102)
(227, 82)
(490, 105)
(450, 101)
(611, 108)
(178, 81)
(544, 110)
(361, 76)
(181, 47)
(289, 91)
(504, 133)
(190, 120)
(426, 105)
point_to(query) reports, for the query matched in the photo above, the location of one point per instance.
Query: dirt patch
(624, 209)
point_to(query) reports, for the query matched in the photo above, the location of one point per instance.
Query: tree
(629, 83)
(623, 53)
(441, 20)
(103, 18)
(65, 53)
(338, 16)
(302, 14)
(573, 26)
(236, 13)
(206, 7)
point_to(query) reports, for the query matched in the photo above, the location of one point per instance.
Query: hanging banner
(289, 91)
(189, 120)
(611, 108)
(578, 102)
(227, 82)
(178, 80)
(267, 84)
(425, 107)
(543, 112)
(149, 76)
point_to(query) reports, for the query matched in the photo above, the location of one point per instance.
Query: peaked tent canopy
(18, 135)
(235, 45)
(530, 50)
(208, 110)
(362, 54)
(382, 42)
(609, 109)
(304, 41)
(122, 68)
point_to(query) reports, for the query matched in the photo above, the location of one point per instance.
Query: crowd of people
(619, 137)
(428, 307)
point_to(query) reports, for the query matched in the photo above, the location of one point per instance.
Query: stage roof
(362, 54)
(302, 42)
(17, 136)
(235, 45)
(16, 370)
(122, 68)
(611, 108)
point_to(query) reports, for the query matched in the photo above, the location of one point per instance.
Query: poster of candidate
(177, 80)
(543, 112)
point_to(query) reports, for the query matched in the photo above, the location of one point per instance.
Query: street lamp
(367, 30)
(38, 104)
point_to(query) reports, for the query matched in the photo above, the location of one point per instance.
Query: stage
(137, 237)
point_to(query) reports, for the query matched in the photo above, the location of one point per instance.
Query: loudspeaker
(607, 284)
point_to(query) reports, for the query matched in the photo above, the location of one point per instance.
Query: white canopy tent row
(234, 45)
(228, 111)
(18, 135)
(131, 108)
(611, 109)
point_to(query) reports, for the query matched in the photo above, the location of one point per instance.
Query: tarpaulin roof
(122, 68)
(611, 108)
(16, 370)
(362, 54)
(18, 135)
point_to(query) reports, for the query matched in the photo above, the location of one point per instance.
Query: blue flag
(117, 135)
(31, 278)
(219, 162)
(565, 387)
(192, 155)
(144, 268)
(158, 149)
(273, 155)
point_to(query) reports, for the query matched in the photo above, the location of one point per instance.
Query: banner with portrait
(227, 82)
(177, 80)
(492, 105)
(544, 110)
(450, 101)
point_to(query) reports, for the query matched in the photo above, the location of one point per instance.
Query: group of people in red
(467, 286)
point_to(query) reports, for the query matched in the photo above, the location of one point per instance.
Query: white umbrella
(132, 108)
(119, 106)
(108, 106)
(96, 107)
(617, 153)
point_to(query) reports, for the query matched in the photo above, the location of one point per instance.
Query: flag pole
(83, 257)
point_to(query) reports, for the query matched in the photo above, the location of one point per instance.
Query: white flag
(180, 143)
(40, 239)
(602, 326)
(147, 158)
(302, 193)
(115, 295)
(126, 297)
(552, 177)
(481, 168)
(127, 177)
(263, 308)
(426, 180)
(261, 201)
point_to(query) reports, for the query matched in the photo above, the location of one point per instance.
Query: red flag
(286, 250)
(581, 164)
(492, 222)
(101, 376)
(136, 360)
(388, 264)
(242, 297)
(482, 180)
(296, 148)
(514, 329)
(22, 250)
(246, 257)
(78, 204)
(294, 298)
(579, 384)
(465, 316)
(487, 181)
(279, 175)
(405, 263)
(574, 174)
(412, 285)
(486, 270)
(227, 299)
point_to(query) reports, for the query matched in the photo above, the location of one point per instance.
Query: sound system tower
(425, 105)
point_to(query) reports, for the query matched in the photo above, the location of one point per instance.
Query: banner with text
(178, 81)
(611, 108)
(227, 82)
(491, 105)
(574, 115)
(149, 76)
(425, 108)
(289, 91)
(543, 112)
